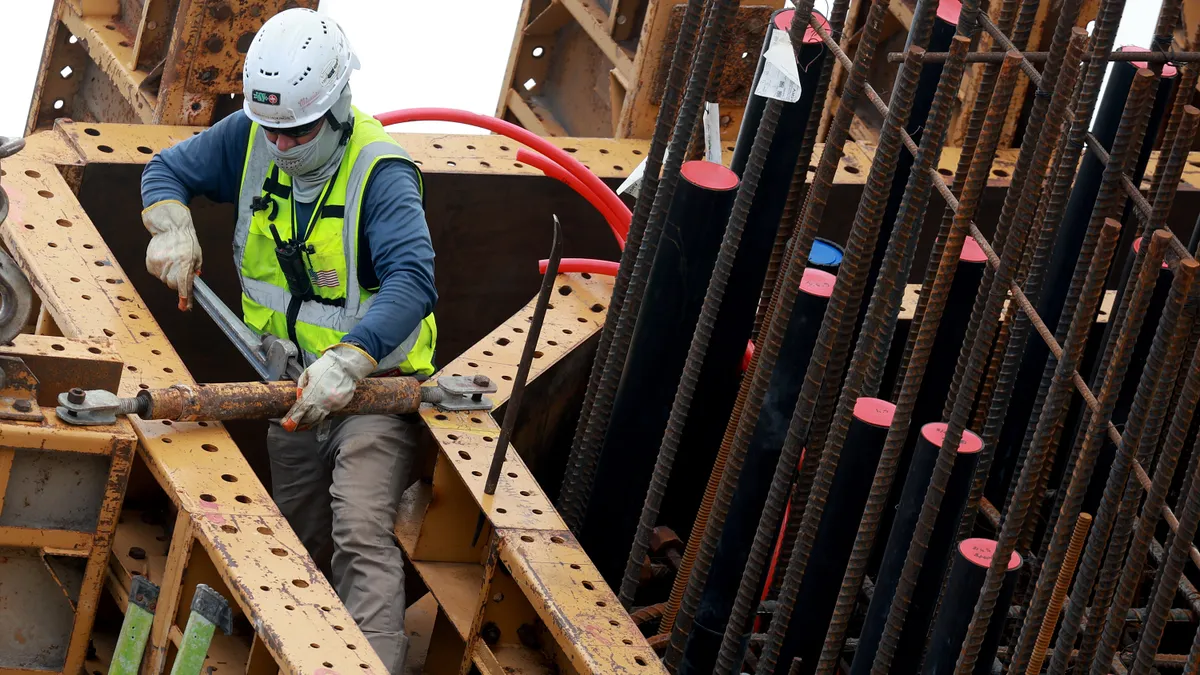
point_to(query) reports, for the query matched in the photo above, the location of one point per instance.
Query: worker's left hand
(328, 385)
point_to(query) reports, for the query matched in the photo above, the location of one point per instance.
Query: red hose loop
(555, 171)
(521, 135)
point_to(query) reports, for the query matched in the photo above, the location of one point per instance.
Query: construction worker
(334, 254)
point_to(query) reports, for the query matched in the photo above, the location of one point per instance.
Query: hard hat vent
(298, 80)
(306, 43)
(325, 28)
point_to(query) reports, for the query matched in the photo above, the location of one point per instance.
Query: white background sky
(447, 53)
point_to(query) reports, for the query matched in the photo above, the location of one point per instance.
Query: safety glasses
(296, 132)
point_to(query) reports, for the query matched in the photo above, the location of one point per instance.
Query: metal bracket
(457, 393)
(94, 407)
(144, 593)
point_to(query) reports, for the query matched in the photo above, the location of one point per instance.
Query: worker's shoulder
(393, 178)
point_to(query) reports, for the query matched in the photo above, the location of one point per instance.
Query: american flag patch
(324, 278)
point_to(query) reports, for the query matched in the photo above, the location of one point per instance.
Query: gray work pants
(343, 494)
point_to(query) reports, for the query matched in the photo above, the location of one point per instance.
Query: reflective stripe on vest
(334, 264)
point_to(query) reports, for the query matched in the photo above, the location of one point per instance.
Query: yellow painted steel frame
(60, 645)
(528, 576)
(150, 61)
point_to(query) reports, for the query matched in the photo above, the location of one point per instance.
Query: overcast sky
(447, 53)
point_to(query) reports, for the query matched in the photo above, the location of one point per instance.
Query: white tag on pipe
(712, 132)
(780, 78)
(632, 185)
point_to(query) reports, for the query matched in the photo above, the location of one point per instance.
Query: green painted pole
(135, 629)
(209, 610)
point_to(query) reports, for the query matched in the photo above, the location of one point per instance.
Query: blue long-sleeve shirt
(393, 234)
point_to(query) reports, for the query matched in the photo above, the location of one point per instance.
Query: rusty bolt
(22, 405)
(222, 12)
(137, 553)
(76, 395)
(255, 10)
(528, 635)
(214, 43)
(208, 75)
(490, 633)
(726, 120)
(482, 381)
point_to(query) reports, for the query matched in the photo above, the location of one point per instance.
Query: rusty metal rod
(1061, 584)
(703, 332)
(1145, 436)
(267, 400)
(1170, 575)
(912, 209)
(825, 367)
(1105, 207)
(1171, 572)
(964, 212)
(532, 334)
(996, 57)
(1084, 464)
(585, 448)
(1013, 525)
(771, 287)
(767, 352)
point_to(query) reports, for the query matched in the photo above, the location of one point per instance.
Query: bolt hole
(527, 539)
(640, 661)
(1000, 173)
(614, 622)
(575, 567)
(229, 478)
(243, 499)
(229, 529)
(558, 540)
(144, 150)
(525, 493)
(57, 347)
(453, 437)
(440, 417)
(45, 193)
(501, 510)
(476, 474)
(601, 603)
(264, 588)
(91, 132)
(465, 455)
(487, 353)
(627, 641)
(207, 498)
(852, 170)
(208, 447)
(537, 512)
(589, 585)
(503, 342)
(32, 174)
(104, 148)
(299, 583)
(945, 172)
(512, 474)
(564, 290)
(279, 552)
(264, 530)
(63, 222)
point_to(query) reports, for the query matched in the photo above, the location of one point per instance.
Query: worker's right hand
(174, 251)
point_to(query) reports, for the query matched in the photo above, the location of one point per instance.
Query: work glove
(174, 251)
(328, 385)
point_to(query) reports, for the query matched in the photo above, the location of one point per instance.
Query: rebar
(1143, 436)
(767, 352)
(1084, 464)
(1036, 57)
(1105, 207)
(1061, 584)
(1170, 575)
(771, 291)
(839, 318)
(585, 448)
(708, 317)
(873, 338)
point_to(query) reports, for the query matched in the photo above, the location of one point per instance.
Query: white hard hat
(295, 68)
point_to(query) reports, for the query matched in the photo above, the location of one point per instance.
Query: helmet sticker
(265, 97)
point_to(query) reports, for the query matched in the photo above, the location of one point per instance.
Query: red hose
(499, 126)
(577, 265)
(555, 171)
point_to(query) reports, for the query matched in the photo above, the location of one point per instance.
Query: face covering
(312, 164)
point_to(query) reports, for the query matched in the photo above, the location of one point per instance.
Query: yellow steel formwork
(60, 495)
